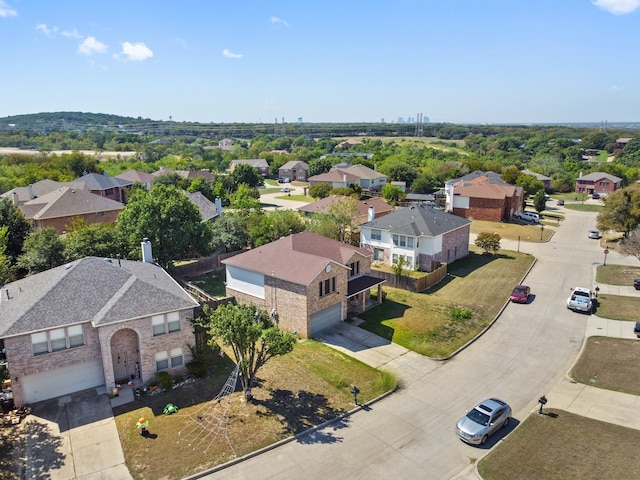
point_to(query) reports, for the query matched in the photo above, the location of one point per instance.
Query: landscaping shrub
(164, 380)
(197, 369)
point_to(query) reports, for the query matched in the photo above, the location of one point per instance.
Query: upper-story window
(355, 269)
(108, 192)
(57, 339)
(376, 234)
(167, 323)
(403, 241)
(327, 286)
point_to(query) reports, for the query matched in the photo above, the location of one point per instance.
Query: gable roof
(595, 176)
(362, 206)
(253, 162)
(418, 221)
(479, 184)
(539, 176)
(206, 207)
(291, 164)
(90, 289)
(40, 188)
(136, 176)
(334, 175)
(298, 258)
(67, 202)
(95, 181)
(363, 172)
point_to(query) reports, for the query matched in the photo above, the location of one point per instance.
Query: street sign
(606, 251)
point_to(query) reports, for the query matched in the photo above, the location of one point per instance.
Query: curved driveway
(410, 434)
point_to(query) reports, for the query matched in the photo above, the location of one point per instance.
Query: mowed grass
(618, 307)
(617, 274)
(295, 392)
(433, 323)
(211, 283)
(512, 231)
(561, 445)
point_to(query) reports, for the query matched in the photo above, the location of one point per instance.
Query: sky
(456, 61)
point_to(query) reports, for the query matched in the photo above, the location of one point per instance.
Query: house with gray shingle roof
(308, 282)
(424, 236)
(343, 176)
(293, 171)
(106, 186)
(37, 189)
(93, 322)
(261, 165)
(601, 183)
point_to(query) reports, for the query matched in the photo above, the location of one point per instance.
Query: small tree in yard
(399, 264)
(252, 336)
(489, 242)
(539, 201)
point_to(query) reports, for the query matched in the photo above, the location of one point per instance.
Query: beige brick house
(308, 282)
(93, 322)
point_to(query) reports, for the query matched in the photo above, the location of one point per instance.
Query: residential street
(410, 434)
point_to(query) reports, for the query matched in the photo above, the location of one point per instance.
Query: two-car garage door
(61, 381)
(326, 318)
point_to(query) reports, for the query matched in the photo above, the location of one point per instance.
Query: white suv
(529, 217)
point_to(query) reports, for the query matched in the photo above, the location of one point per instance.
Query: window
(328, 286)
(99, 214)
(162, 361)
(176, 357)
(57, 339)
(376, 234)
(108, 192)
(168, 323)
(355, 269)
(402, 241)
(378, 254)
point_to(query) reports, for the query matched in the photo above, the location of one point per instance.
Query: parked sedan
(483, 420)
(520, 294)
(636, 284)
(560, 203)
(594, 234)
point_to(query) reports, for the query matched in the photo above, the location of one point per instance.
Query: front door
(120, 367)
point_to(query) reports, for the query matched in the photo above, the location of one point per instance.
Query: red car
(520, 294)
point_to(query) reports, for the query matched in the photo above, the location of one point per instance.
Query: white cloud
(618, 7)
(230, 54)
(70, 33)
(136, 52)
(90, 46)
(278, 20)
(46, 30)
(6, 11)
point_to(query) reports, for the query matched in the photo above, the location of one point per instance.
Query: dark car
(560, 202)
(595, 196)
(636, 284)
(636, 329)
(520, 294)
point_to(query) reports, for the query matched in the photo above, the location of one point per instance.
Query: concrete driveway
(74, 437)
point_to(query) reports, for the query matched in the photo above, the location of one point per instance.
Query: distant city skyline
(459, 61)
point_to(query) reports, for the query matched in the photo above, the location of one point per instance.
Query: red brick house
(308, 282)
(294, 170)
(598, 182)
(483, 196)
(92, 323)
(106, 186)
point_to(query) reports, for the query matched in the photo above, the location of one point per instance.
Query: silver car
(483, 420)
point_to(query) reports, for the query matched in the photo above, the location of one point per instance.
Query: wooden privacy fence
(413, 284)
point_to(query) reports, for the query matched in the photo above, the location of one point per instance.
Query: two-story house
(598, 182)
(293, 171)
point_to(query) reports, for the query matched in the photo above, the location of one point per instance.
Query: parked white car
(581, 300)
(529, 216)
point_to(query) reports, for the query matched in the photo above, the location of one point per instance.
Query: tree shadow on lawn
(300, 412)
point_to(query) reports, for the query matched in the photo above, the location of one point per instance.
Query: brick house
(347, 175)
(363, 209)
(59, 208)
(106, 186)
(483, 196)
(261, 165)
(295, 171)
(137, 176)
(38, 189)
(598, 182)
(426, 237)
(308, 282)
(93, 322)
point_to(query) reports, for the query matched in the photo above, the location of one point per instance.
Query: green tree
(230, 232)
(392, 194)
(530, 184)
(252, 336)
(43, 250)
(247, 175)
(319, 166)
(246, 200)
(621, 211)
(539, 201)
(93, 240)
(320, 190)
(510, 174)
(169, 220)
(7, 270)
(18, 228)
(337, 221)
(488, 242)
(273, 225)
(399, 264)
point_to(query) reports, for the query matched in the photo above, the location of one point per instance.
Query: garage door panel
(62, 381)
(326, 318)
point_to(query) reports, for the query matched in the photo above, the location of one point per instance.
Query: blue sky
(459, 61)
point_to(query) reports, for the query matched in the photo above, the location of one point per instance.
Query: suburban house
(483, 196)
(209, 210)
(94, 322)
(546, 181)
(59, 208)
(345, 176)
(365, 210)
(293, 171)
(424, 236)
(106, 186)
(38, 189)
(136, 176)
(308, 282)
(192, 174)
(598, 182)
(258, 163)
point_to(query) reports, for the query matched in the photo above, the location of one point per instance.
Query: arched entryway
(125, 355)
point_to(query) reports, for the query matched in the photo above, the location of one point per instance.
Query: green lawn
(525, 232)
(617, 307)
(445, 318)
(617, 274)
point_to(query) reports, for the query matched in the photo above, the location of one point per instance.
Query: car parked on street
(483, 420)
(581, 300)
(595, 196)
(520, 294)
(636, 284)
(285, 189)
(560, 203)
(594, 234)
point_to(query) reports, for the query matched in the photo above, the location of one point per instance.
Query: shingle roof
(291, 164)
(95, 181)
(298, 258)
(90, 289)
(418, 221)
(254, 162)
(40, 188)
(595, 176)
(480, 184)
(67, 202)
(205, 206)
(362, 206)
(136, 176)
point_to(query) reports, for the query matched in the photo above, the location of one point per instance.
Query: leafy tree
(168, 219)
(247, 175)
(630, 245)
(539, 201)
(621, 211)
(246, 200)
(320, 190)
(251, 335)
(170, 179)
(401, 171)
(400, 264)
(230, 232)
(275, 224)
(93, 240)
(392, 194)
(510, 174)
(18, 228)
(7, 270)
(337, 221)
(43, 250)
(199, 184)
(488, 242)
(318, 166)
(530, 184)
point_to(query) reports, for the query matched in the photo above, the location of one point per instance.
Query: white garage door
(61, 381)
(326, 318)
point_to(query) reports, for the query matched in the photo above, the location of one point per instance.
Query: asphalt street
(410, 433)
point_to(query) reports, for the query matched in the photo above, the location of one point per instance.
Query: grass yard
(617, 274)
(618, 307)
(211, 283)
(294, 392)
(445, 318)
(526, 232)
(584, 207)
